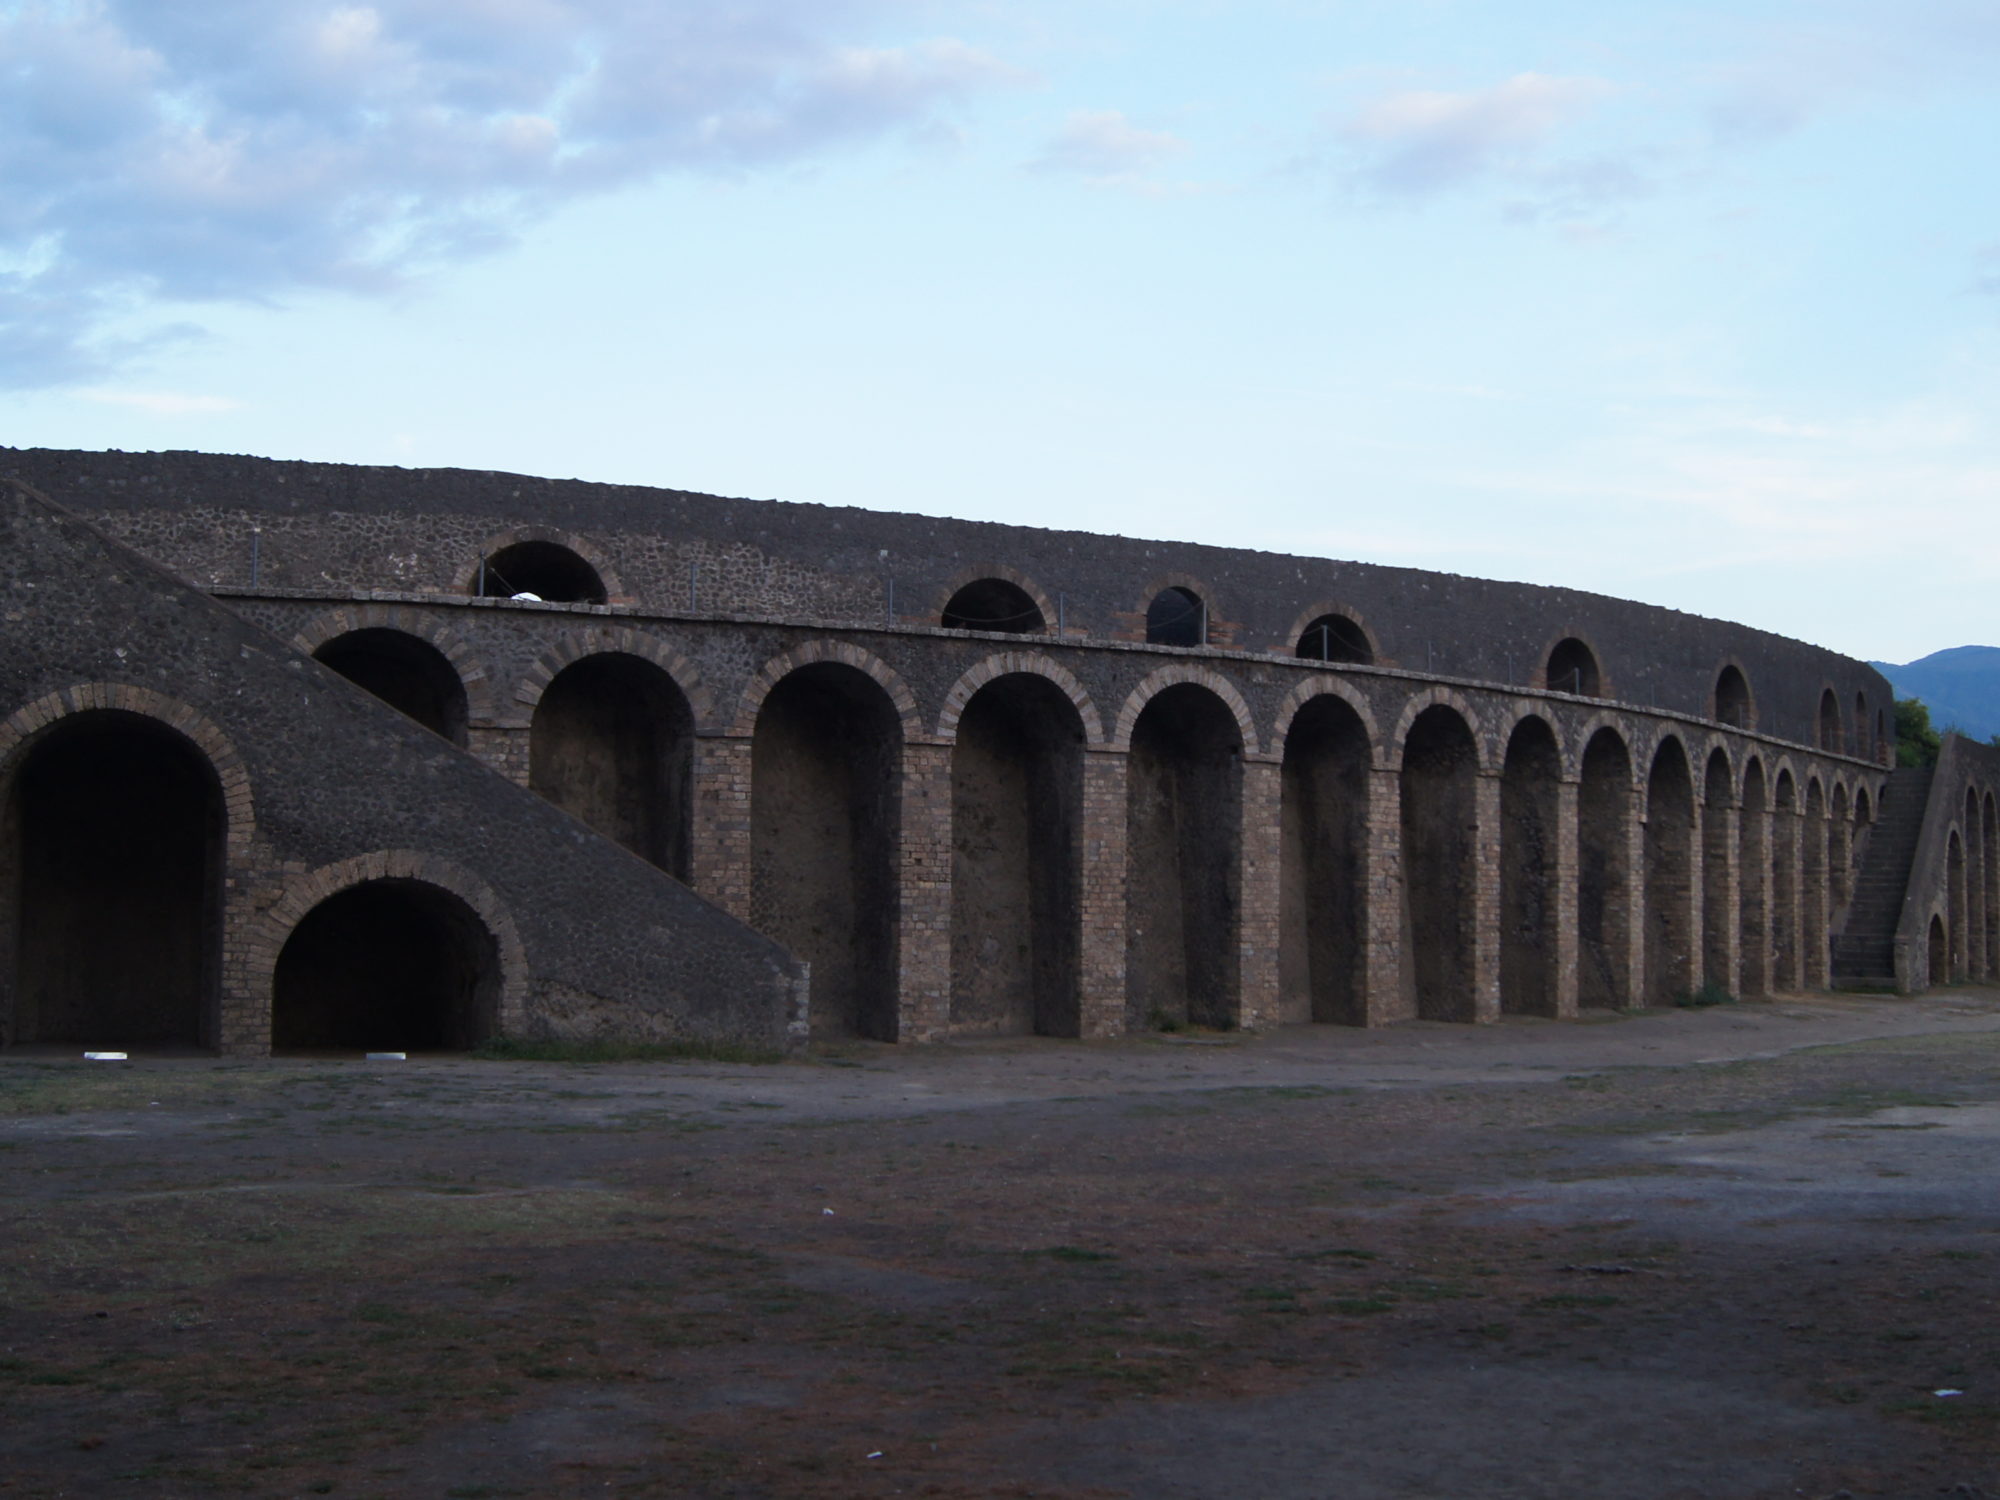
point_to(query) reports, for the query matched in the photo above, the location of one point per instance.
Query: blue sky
(1691, 303)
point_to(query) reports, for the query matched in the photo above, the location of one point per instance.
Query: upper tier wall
(339, 527)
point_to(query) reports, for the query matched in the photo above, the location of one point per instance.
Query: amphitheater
(317, 757)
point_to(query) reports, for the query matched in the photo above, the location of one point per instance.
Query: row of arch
(1964, 936)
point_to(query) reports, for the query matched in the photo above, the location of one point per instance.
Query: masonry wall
(1954, 890)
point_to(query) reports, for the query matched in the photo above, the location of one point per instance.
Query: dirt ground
(1732, 1253)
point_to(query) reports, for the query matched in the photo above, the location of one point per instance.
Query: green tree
(1916, 742)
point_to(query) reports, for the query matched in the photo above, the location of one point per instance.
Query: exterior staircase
(1864, 955)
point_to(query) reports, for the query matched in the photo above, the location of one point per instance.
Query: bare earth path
(1729, 1253)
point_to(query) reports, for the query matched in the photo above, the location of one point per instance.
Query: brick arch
(1196, 586)
(1779, 767)
(347, 619)
(1523, 710)
(1433, 697)
(1011, 663)
(1606, 683)
(1312, 612)
(1159, 681)
(26, 724)
(302, 893)
(1320, 687)
(1713, 745)
(620, 640)
(1579, 743)
(942, 596)
(1749, 687)
(583, 547)
(778, 668)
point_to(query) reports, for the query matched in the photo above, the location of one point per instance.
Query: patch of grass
(521, 1049)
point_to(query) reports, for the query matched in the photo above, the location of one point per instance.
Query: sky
(1697, 304)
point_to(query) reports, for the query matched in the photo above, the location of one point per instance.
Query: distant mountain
(1961, 687)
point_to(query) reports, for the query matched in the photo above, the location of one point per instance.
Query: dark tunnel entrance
(406, 673)
(1323, 895)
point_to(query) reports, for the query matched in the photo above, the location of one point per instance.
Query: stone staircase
(1864, 955)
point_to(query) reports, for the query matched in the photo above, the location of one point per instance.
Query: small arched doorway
(1733, 705)
(1323, 896)
(390, 965)
(117, 824)
(1335, 638)
(1440, 862)
(1530, 804)
(1669, 850)
(1176, 617)
(1572, 668)
(994, 604)
(546, 571)
(405, 672)
(1604, 873)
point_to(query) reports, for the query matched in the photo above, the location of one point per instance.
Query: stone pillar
(923, 892)
(1697, 858)
(1815, 906)
(1388, 996)
(1102, 1001)
(1485, 894)
(1632, 961)
(1564, 898)
(719, 846)
(1756, 883)
(1728, 943)
(1260, 879)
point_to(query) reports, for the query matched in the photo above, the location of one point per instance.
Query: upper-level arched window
(1573, 669)
(1829, 721)
(1335, 638)
(1733, 705)
(994, 604)
(539, 570)
(1176, 617)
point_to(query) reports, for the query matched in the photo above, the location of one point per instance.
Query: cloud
(249, 149)
(1423, 141)
(1103, 145)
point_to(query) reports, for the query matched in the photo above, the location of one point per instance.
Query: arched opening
(116, 822)
(1718, 887)
(406, 672)
(1864, 749)
(543, 570)
(994, 604)
(1814, 950)
(1183, 845)
(1884, 751)
(1829, 721)
(1530, 792)
(1669, 847)
(1753, 864)
(1975, 890)
(1989, 843)
(1954, 865)
(1785, 885)
(1016, 820)
(1323, 905)
(1604, 873)
(1839, 859)
(386, 966)
(1335, 638)
(824, 828)
(1733, 705)
(1572, 668)
(1176, 617)
(611, 744)
(1440, 862)
(1935, 952)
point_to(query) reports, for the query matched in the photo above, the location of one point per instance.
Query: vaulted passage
(118, 825)
(824, 832)
(994, 604)
(1718, 879)
(547, 570)
(612, 744)
(1016, 799)
(1572, 668)
(1785, 886)
(1604, 874)
(1176, 617)
(1323, 901)
(1815, 949)
(1669, 847)
(1184, 794)
(1829, 721)
(1440, 853)
(386, 966)
(1732, 699)
(405, 672)
(1530, 789)
(1335, 638)
(1753, 864)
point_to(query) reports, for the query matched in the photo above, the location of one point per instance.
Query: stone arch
(1572, 664)
(1158, 681)
(1831, 734)
(349, 619)
(1814, 952)
(1606, 794)
(1322, 687)
(1753, 866)
(1155, 614)
(307, 893)
(585, 550)
(813, 653)
(1530, 830)
(1718, 876)
(1009, 663)
(1731, 701)
(1326, 746)
(1439, 770)
(1581, 738)
(1839, 854)
(1363, 646)
(1419, 703)
(573, 646)
(1669, 873)
(1785, 970)
(1045, 611)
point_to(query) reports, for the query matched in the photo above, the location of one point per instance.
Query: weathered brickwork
(1503, 843)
